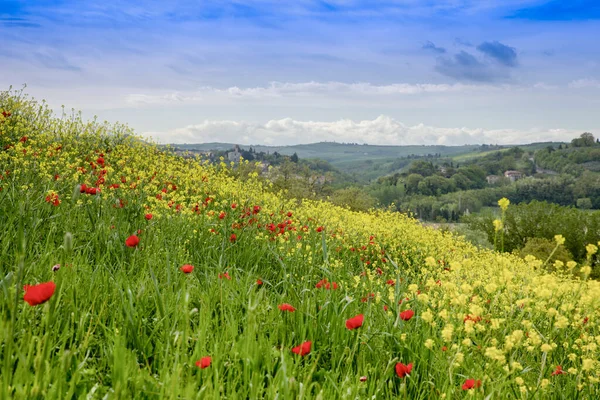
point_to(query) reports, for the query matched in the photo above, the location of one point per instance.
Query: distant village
(511, 175)
(263, 160)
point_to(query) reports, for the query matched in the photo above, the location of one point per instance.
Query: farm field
(129, 272)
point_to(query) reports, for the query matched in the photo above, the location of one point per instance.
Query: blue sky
(282, 72)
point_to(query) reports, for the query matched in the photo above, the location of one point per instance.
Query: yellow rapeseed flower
(503, 203)
(498, 225)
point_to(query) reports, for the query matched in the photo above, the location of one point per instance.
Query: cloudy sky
(301, 71)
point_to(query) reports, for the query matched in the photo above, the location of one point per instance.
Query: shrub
(542, 248)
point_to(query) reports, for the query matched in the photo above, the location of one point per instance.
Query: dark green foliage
(354, 198)
(542, 220)
(585, 140)
(584, 204)
(544, 249)
(422, 168)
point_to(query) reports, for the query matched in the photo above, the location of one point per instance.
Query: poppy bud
(76, 192)
(68, 242)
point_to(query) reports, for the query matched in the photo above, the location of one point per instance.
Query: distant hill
(570, 159)
(339, 154)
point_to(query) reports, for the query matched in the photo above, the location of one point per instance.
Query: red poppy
(286, 307)
(132, 241)
(355, 322)
(222, 215)
(82, 188)
(558, 371)
(148, 216)
(403, 370)
(233, 238)
(323, 283)
(470, 384)
(187, 268)
(370, 296)
(385, 308)
(320, 229)
(256, 210)
(92, 190)
(23, 139)
(204, 362)
(391, 282)
(303, 349)
(406, 315)
(472, 318)
(38, 294)
(53, 199)
(259, 282)
(224, 275)
(289, 214)
(234, 206)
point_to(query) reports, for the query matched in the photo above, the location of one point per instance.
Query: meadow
(129, 272)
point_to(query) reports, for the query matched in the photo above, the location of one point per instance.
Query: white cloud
(584, 83)
(383, 131)
(544, 86)
(304, 89)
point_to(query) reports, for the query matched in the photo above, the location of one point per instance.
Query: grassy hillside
(531, 147)
(168, 278)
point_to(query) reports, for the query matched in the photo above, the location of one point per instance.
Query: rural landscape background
(322, 199)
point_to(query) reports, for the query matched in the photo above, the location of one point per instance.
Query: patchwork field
(129, 272)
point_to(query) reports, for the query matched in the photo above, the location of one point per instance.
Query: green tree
(423, 168)
(542, 248)
(412, 183)
(508, 163)
(585, 140)
(353, 197)
(436, 185)
(584, 203)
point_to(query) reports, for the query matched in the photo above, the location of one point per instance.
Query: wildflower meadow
(127, 271)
